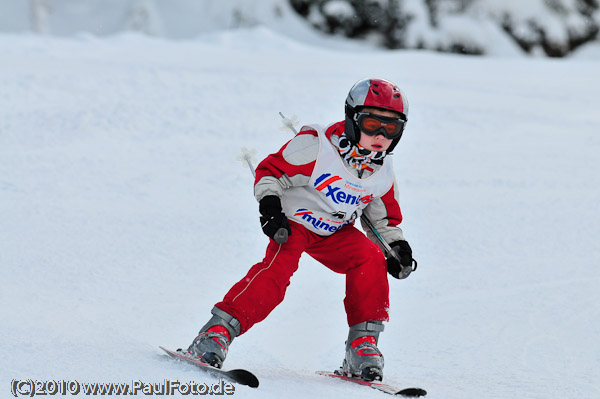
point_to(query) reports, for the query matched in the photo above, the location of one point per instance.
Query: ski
(240, 376)
(406, 392)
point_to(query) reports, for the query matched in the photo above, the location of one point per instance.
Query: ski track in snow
(125, 215)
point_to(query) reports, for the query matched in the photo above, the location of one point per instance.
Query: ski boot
(363, 359)
(212, 343)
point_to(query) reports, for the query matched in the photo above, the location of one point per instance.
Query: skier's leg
(350, 252)
(263, 288)
(367, 296)
(251, 299)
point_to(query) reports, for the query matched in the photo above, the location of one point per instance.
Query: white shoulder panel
(302, 149)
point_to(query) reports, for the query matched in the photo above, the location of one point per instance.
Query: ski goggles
(373, 125)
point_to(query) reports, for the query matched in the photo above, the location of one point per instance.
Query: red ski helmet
(376, 93)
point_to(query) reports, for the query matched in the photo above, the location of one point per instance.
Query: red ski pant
(347, 251)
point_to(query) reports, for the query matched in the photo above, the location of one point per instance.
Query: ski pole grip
(281, 236)
(405, 272)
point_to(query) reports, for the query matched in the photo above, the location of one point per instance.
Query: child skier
(314, 189)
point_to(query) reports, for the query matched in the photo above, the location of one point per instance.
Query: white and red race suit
(322, 196)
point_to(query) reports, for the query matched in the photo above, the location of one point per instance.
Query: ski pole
(406, 270)
(281, 235)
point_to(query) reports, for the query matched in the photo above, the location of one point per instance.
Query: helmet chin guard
(373, 93)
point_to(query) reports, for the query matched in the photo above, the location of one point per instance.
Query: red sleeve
(394, 214)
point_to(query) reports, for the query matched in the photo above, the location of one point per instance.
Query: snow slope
(125, 215)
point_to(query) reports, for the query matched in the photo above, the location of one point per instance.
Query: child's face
(376, 143)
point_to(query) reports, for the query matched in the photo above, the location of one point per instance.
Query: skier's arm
(385, 214)
(291, 166)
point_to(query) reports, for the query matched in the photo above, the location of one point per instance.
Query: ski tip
(165, 349)
(412, 392)
(240, 376)
(406, 392)
(244, 377)
(169, 352)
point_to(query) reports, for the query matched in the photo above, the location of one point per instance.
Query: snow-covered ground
(124, 214)
(480, 24)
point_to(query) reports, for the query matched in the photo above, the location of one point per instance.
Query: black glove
(273, 221)
(403, 268)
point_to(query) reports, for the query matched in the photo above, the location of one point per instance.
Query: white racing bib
(334, 197)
